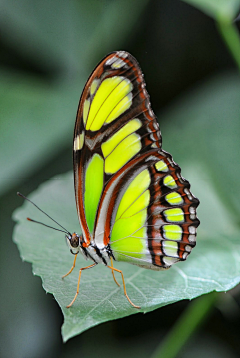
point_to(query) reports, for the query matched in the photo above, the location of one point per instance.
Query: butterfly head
(75, 242)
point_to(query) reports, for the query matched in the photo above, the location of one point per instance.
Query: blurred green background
(48, 50)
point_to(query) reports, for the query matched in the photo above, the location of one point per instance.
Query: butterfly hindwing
(129, 192)
(151, 218)
(155, 222)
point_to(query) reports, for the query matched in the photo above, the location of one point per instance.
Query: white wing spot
(192, 238)
(180, 178)
(192, 230)
(111, 60)
(186, 191)
(170, 161)
(188, 248)
(192, 212)
(122, 54)
(118, 64)
(78, 142)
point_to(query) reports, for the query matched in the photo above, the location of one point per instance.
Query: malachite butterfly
(132, 202)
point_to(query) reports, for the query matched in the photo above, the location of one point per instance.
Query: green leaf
(36, 127)
(213, 265)
(67, 35)
(118, 19)
(224, 10)
(37, 118)
(47, 32)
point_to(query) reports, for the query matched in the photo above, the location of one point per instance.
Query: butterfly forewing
(129, 192)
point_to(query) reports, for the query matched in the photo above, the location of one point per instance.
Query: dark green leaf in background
(37, 116)
(217, 9)
(36, 121)
(208, 126)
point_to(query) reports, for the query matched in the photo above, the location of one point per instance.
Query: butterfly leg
(74, 262)
(79, 277)
(113, 273)
(124, 286)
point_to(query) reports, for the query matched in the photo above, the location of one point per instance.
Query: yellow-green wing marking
(122, 146)
(129, 228)
(93, 188)
(111, 99)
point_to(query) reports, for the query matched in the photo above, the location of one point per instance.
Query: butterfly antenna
(38, 222)
(51, 227)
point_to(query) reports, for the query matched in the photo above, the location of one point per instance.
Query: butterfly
(133, 204)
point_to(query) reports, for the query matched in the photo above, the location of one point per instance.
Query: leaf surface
(213, 265)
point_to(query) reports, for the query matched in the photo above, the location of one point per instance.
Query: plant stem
(185, 326)
(230, 34)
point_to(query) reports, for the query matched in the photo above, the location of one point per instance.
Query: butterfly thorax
(77, 244)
